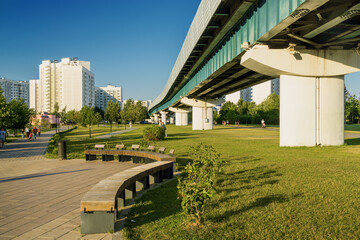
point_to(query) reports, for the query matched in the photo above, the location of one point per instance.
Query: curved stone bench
(127, 155)
(100, 206)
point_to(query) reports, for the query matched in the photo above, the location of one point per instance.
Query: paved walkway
(115, 133)
(40, 197)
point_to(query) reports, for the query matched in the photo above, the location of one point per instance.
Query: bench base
(97, 222)
(90, 157)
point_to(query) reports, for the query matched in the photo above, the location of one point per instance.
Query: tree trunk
(111, 127)
(89, 130)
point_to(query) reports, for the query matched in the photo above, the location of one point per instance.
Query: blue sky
(132, 44)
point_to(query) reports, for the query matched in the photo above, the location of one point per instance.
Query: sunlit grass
(266, 191)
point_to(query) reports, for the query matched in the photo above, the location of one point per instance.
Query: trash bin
(62, 149)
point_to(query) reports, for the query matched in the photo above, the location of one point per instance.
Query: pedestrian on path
(30, 136)
(39, 131)
(162, 125)
(27, 132)
(22, 133)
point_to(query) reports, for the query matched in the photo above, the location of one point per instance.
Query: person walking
(27, 132)
(39, 131)
(263, 123)
(22, 133)
(162, 125)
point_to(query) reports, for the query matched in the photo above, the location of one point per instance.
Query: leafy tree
(73, 116)
(269, 109)
(140, 112)
(229, 111)
(351, 107)
(99, 110)
(4, 111)
(128, 112)
(63, 115)
(112, 113)
(19, 114)
(88, 117)
(98, 118)
(56, 110)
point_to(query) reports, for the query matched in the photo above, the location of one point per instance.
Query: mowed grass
(265, 192)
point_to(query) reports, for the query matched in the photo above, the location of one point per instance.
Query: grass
(265, 192)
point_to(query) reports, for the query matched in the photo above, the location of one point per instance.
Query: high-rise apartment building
(15, 89)
(70, 83)
(261, 91)
(105, 94)
(257, 93)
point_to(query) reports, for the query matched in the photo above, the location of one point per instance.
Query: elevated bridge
(232, 45)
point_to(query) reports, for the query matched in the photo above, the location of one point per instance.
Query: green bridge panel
(260, 19)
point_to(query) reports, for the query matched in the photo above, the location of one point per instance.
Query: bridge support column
(202, 113)
(172, 119)
(311, 91)
(156, 118)
(163, 116)
(311, 111)
(181, 116)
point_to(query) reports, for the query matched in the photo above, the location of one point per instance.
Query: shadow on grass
(259, 202)
(352, 141)
(154, 205)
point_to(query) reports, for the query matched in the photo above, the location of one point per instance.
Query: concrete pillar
(163, 116)
(181, 116)
(156, 118)
(172, 119)
(202, 118)
(311, 91)
(202, 114)
(311, 111)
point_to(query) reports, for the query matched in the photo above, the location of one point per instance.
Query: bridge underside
(216, 66)
(334, 24)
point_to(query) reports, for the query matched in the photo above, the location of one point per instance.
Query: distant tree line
(89, 116)
(352, 108)
(15, 114)
(248, 112)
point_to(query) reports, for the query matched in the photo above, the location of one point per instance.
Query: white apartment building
(257, 93)
(15, 89)
(261, 91)
(70, 83)
(105, 94)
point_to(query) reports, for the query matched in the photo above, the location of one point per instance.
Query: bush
(153, 133)
(197, 187)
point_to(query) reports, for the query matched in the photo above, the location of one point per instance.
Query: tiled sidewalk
(40, 197)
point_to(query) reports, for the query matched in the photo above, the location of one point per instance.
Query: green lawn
(265, 192)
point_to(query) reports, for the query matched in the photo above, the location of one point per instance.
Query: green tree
(229, 111)
(19, 114)
(87, 117)
(4, 111)
(140, 112)
(112, 113)
(269, 109)
(73, 116)
(98, 118)
(128, 112)
(351, 107)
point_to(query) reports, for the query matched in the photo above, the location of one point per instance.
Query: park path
(40, 198)
(115, 133)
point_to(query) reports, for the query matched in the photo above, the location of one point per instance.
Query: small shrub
(197, 187)
(153, 133)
